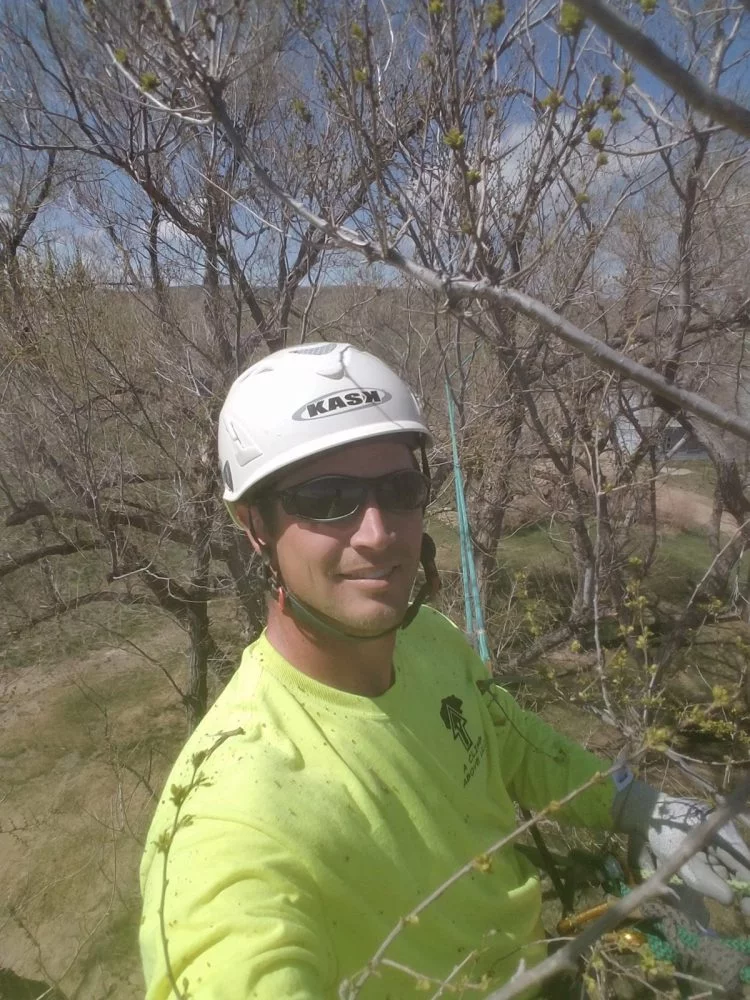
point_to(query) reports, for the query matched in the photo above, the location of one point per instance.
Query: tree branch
(61, 549)
(63, 607)
(567, 956)
(682, 81)
(456, 288)
(29, 217)
(151, 523)
(350, 989)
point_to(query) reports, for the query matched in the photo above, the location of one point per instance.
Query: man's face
(357, 571)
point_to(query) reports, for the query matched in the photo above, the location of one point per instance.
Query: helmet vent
(317, 349)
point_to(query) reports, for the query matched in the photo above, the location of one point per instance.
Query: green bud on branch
(572, 19)
(454, 139)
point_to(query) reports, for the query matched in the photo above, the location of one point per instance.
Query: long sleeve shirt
(301, 823)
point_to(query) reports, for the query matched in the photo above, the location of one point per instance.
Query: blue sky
(70, 227)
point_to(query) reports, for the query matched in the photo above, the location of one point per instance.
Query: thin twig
(350, 988)
(682, 81)
(567, 956)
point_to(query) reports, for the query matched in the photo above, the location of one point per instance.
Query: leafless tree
(573, 228)
(170, 202)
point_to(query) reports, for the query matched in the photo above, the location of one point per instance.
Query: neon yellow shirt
(314, 819)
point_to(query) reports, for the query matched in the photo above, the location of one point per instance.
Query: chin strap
(305, 615)
(431, 584)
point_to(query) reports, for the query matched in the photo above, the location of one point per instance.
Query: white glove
(658, 823)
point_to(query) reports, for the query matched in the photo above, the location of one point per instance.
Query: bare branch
(682, 81)
(97, 597)
(29, 558)
(19, 231)
(456, 288)
(566, 957)
(350, 989)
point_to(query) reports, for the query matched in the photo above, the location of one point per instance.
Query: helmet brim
(332, 442)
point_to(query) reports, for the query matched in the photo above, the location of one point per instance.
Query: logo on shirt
(454, 720)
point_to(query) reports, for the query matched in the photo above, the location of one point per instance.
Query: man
(353, 764)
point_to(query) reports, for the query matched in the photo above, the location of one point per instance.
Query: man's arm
(237, 919)
(540, 765)
(544, 766)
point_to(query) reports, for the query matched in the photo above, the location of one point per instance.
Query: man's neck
(364, 668)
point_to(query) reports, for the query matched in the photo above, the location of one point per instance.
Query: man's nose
(373, 527)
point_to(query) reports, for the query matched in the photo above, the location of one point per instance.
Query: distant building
(673, 441)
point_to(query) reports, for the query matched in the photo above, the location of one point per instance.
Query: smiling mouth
(380, 574)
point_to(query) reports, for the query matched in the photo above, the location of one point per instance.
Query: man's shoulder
(234, 768)
(442, 649)
(244, 732)
(433, 628)
(246, 691)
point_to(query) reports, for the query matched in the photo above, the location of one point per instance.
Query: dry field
(80, 744)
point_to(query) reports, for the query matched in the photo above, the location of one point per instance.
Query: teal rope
(460, 507)
(663, 951)
(680, 941)
(475, 626)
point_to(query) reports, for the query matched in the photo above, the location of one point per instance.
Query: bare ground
(81, 743)
(680, 510)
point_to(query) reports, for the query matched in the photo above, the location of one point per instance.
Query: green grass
(533, 550)
(681, 560)
(537, 551)
(536, 579)
(702, 478)
(445, 536)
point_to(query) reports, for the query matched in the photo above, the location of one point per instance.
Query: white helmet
(306, 400)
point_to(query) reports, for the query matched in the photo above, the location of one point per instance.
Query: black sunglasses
(333, 498)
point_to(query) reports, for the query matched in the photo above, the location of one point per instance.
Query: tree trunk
(583, 554)
(201, 640)
(196, 695)
(490, 518)
(248, 587)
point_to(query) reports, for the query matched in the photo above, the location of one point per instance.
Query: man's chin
(369, 623)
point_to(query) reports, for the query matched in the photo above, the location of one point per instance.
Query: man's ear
(255, 529)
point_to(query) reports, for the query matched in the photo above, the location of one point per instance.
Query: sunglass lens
(326, 499)
(332, 497)
(405, 490)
